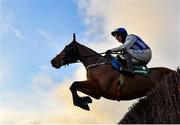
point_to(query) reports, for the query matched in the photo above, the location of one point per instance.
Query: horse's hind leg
(90, 87)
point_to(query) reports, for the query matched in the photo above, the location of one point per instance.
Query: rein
(97, 64)
(83, 57)
(91, 55)
(97, 54)
(75, 55)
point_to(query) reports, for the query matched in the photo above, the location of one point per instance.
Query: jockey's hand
(107, 53)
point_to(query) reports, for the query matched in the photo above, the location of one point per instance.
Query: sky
(32, 32)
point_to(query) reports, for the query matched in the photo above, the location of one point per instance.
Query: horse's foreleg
(89, 87)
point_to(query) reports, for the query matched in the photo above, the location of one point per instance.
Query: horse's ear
(74, 37)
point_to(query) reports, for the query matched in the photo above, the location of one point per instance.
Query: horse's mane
(161, 105)
(89, 49)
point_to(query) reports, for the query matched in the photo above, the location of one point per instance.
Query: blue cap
(119, 31)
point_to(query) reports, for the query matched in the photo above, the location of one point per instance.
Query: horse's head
(68, 55)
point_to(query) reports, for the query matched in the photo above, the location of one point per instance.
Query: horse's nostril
(52, 61)
(55, 63)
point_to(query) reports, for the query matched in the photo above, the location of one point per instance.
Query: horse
(102, 78)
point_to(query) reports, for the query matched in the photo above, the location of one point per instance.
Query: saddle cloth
(141, 70)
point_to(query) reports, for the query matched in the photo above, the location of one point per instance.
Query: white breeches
(140, 56)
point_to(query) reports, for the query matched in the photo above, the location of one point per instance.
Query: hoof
(87, 99)
(84, 106)
(82, 102)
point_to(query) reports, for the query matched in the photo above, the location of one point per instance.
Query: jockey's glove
(108, 52)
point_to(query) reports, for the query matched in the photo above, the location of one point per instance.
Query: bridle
(72, 54)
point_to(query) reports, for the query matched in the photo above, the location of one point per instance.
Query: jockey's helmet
(121, 31)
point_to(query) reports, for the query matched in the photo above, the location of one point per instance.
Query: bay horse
(102, 78)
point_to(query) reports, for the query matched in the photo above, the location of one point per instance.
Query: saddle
(138, 69)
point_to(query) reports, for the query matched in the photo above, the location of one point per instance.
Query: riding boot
(128, 58)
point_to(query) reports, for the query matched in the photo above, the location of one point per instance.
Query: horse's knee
(73, 86)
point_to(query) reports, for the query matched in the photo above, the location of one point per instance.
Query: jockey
(136, 51)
